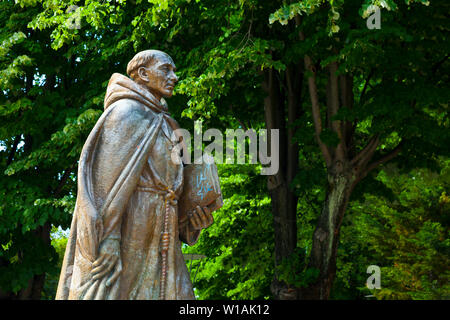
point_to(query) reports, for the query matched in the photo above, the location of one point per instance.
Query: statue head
(154, 70)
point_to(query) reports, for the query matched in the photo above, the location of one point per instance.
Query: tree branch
(363, 92)
(238, 120)
(387, 157)
(347, 100)
(333, 106)
(294, 77)
(365, 153)
(315, 108)
(63, 180)
(13, 150)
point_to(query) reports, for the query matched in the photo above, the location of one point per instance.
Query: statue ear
(142, 73)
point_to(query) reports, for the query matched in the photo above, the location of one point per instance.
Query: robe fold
(124, 174)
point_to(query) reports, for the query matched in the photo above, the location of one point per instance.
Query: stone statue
(126, 232)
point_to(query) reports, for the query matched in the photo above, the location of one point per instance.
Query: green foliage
(294, 271)
(329, 137)
(288, 12)
(408, 237)
(238, 250)
(46, 114)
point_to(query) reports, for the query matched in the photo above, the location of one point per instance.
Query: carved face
(159, 77)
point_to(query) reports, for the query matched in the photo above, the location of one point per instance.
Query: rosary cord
(170, 197)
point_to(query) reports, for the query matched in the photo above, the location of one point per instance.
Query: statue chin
(168, 94)
(162, 93)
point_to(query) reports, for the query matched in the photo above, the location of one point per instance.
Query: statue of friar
(126, 232)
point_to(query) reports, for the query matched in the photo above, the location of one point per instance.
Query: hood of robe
(122, 87)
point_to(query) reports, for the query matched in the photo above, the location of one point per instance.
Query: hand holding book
(201, 218)
(201, 194)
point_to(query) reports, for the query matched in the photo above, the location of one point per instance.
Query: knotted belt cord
(170, 199)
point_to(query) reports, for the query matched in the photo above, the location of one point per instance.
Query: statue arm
(123, 145)
(188, 234)
(120, 158)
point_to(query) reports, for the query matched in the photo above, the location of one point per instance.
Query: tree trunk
(344, 169)
(36, 283)
(284, 201)
(326, 236)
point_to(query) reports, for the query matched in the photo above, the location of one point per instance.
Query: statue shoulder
(129, 110)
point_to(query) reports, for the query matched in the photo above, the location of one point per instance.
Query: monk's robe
(125, 174)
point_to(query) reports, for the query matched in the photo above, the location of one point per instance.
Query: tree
(47, 111)
(373, 94)
(29, 103)
(409, 235)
